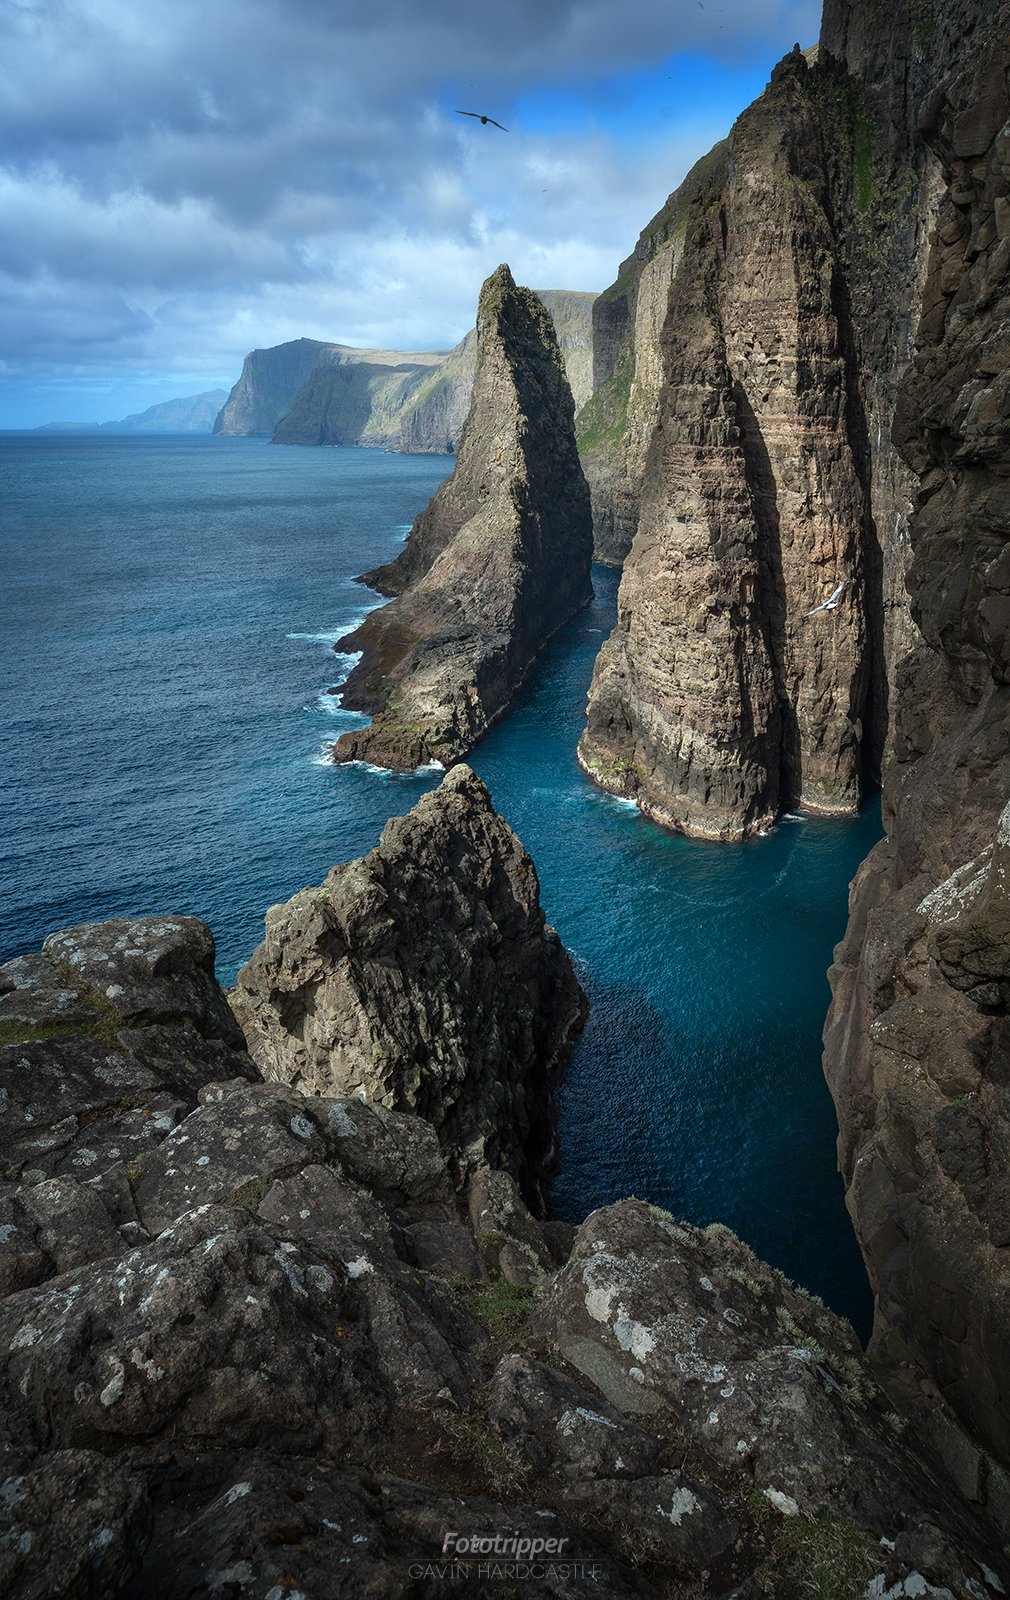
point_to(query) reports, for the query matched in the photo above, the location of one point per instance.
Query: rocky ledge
(497, 562)
(275, 1338)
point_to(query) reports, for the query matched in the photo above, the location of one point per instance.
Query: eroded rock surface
(660, 1316)
(492, 568)
(424, 978)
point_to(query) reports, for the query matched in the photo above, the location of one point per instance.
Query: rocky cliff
(616, 422)
(717, 698)
(363, 403)
(268, 383)
(256, 1344)
(271, 381)
(310, 393)
(496, 563)
(917, 1043)
(769, 479)
(384, 983)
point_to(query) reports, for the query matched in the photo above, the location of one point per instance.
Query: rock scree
(496, 563)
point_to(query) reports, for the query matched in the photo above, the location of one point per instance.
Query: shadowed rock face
(424, 977)
(917, 1048)
(492, 568)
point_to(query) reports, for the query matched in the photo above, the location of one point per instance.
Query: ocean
(173, 603)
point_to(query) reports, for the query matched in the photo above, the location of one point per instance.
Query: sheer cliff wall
(917, 1046)
(753, 455)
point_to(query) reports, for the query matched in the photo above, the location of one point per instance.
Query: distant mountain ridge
(311, 393)
(192, 413)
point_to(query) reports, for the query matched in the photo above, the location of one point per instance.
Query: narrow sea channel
(172, 608)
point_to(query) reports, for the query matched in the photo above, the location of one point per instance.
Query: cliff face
(615, 424)
(360, 403)
(769, 479)
(310, 393)
(717, 698)
(273, 382)
(917, 1043)
(269, 381)
(494, 565)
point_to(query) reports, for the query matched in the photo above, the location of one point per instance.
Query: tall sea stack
(496, 563)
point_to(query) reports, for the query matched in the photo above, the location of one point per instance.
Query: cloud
(182, 181)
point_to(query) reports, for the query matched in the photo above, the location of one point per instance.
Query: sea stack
(717, 698)
(425, 978)
(495, 564)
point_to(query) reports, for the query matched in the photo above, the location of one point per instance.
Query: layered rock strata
(917, 1047)
(615, 425)
(425, 978)
(791, 316)
(718, 698)
(498, 561)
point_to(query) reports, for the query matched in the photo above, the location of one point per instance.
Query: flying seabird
(829, 605)
(484, 120)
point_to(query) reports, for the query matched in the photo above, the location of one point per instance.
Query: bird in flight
(484, 120)
(829, 605)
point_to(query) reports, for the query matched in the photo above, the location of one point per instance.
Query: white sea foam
(329, 704)
(384, 772)
(340, 631)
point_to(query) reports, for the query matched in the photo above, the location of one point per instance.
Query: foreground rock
(662, 1317)
(425, 978)
(256, 1342)
(492, 568)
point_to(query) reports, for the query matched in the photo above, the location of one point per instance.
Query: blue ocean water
(172, 607)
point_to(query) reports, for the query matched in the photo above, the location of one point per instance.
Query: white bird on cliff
(828, 605)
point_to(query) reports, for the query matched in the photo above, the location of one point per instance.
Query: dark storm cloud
(220, 174)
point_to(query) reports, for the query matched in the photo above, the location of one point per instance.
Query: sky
(182, 181)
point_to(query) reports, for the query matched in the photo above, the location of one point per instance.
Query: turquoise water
(174, 607)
